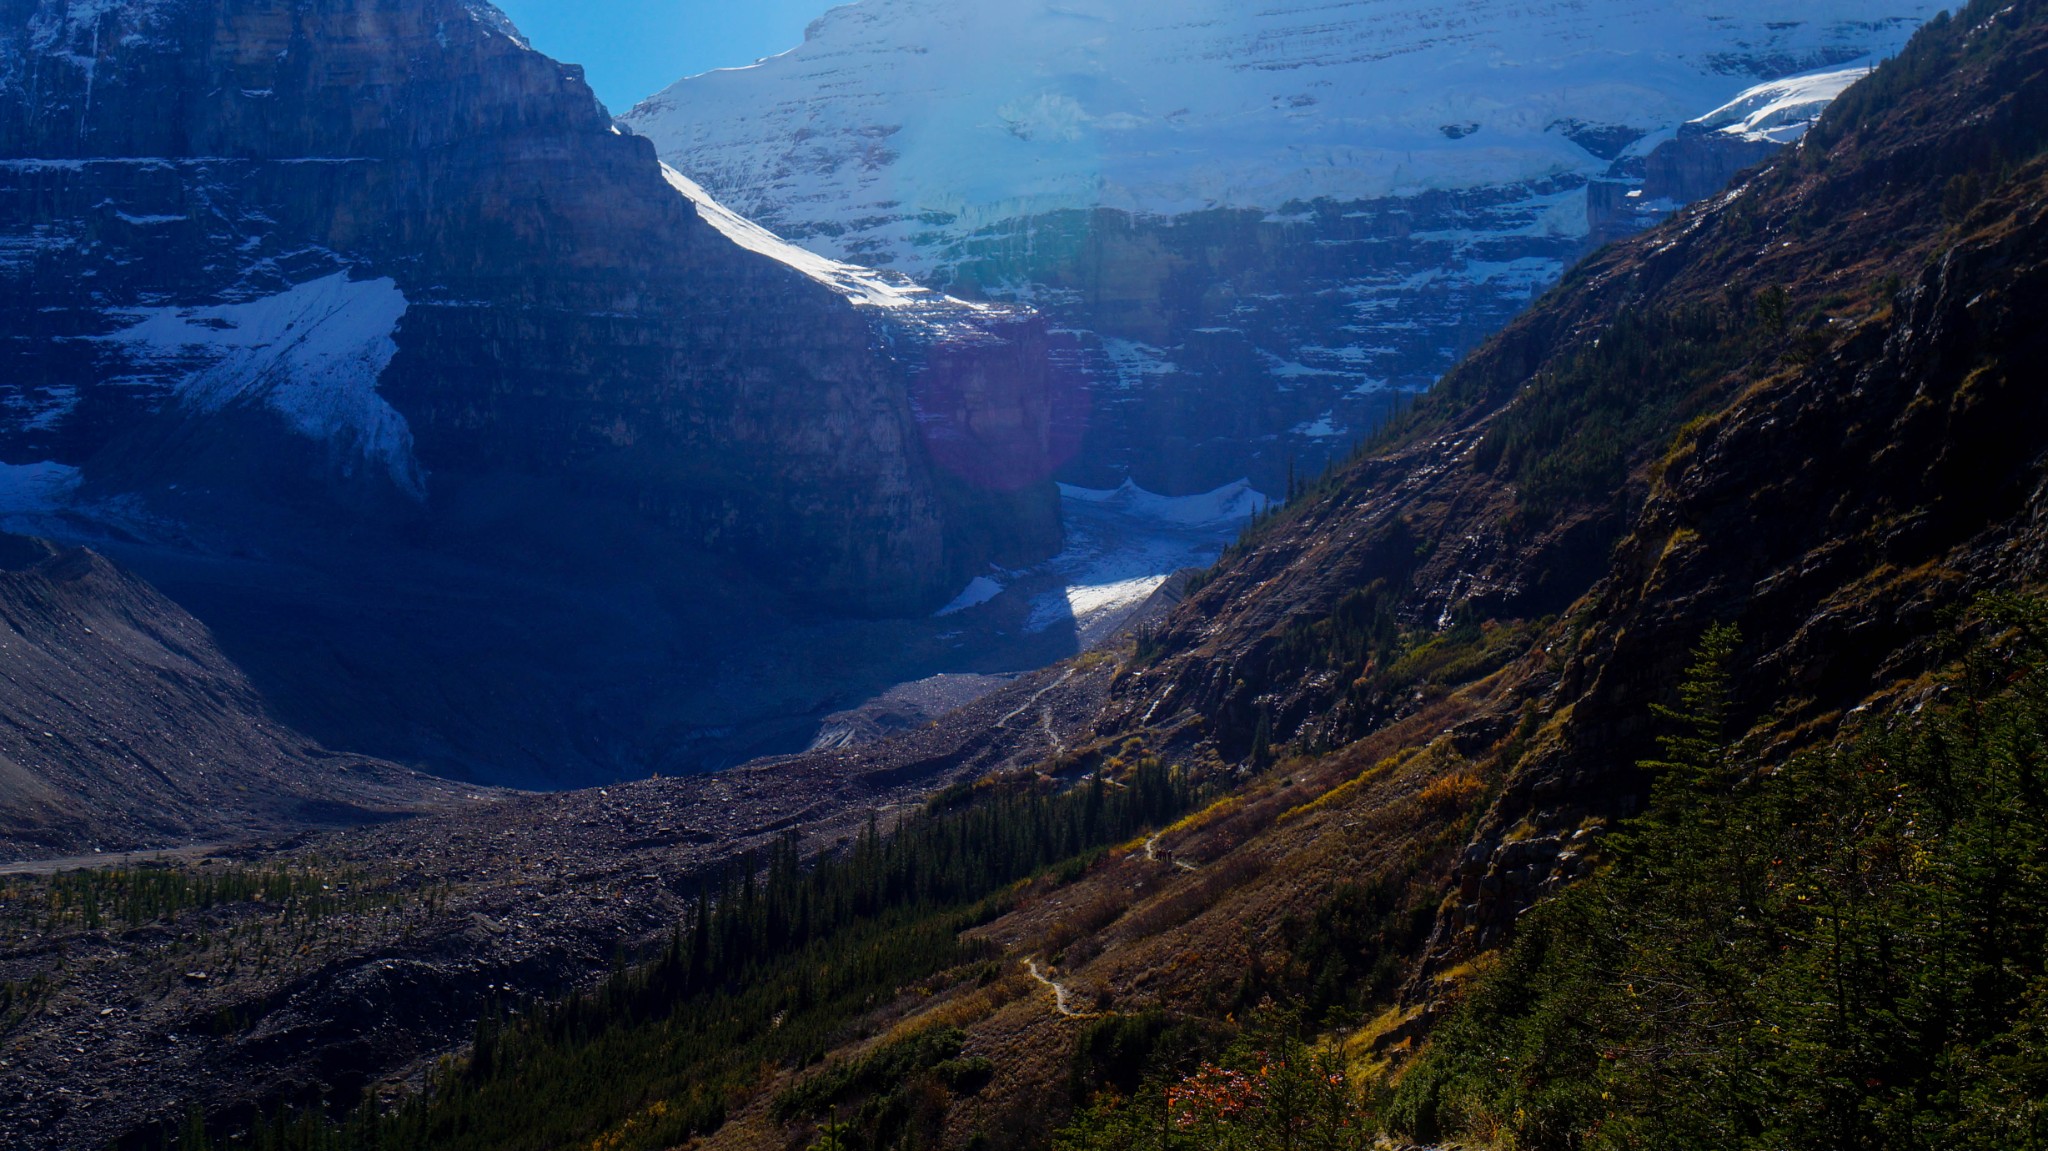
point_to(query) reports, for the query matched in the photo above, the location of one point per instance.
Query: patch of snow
(857, 284)
(1284, 369)
(1229, 504)
(1781, 111)
(312, 354)
(1648, 144)
(47, 413)
(1123, 544)
(36, 489)
(488, 15)
(79, 23)
(21, 248)
(1319, 428)
(1348, 354)
(1087, 603)
(1133, 362)
(978, 591)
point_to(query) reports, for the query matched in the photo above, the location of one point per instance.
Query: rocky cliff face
(1266, 226)
(553, 309)
(315, 285)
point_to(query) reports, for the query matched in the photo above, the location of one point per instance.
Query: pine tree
(1696, 747)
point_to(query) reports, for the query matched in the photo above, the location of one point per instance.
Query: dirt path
(110, 859)
(1152, 854)
(1038, 695)
(1052, 734)
(1060, 994)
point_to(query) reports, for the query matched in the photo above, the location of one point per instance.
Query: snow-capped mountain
(1272, 212)
(900, 123)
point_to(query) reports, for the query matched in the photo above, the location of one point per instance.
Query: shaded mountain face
(122, 725)
(372, 296)
(1270, 222)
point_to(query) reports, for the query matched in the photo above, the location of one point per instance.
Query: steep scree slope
(123, 726)
(517, 897)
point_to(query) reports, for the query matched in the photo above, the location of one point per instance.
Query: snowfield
(860, 285)
(36, 489)
(1782, 110)
(1123, 544)
(312, 354)
(901, 125)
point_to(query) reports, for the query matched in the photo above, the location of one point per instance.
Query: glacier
(1257, 226)
(1781, 111)
(900, 124)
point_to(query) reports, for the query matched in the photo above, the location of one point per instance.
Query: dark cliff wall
(1693, 165)
(373, 343)
(569, 318)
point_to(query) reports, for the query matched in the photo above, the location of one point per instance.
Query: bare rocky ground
(123, 725)
(436, 920)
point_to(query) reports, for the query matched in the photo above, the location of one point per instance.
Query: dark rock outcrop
(1694, 164)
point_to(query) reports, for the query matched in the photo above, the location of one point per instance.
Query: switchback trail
(1060, 994)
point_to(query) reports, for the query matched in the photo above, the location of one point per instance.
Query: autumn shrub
(1450, 794)
(1272, 1090)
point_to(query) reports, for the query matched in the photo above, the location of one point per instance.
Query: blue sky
(631, 49)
